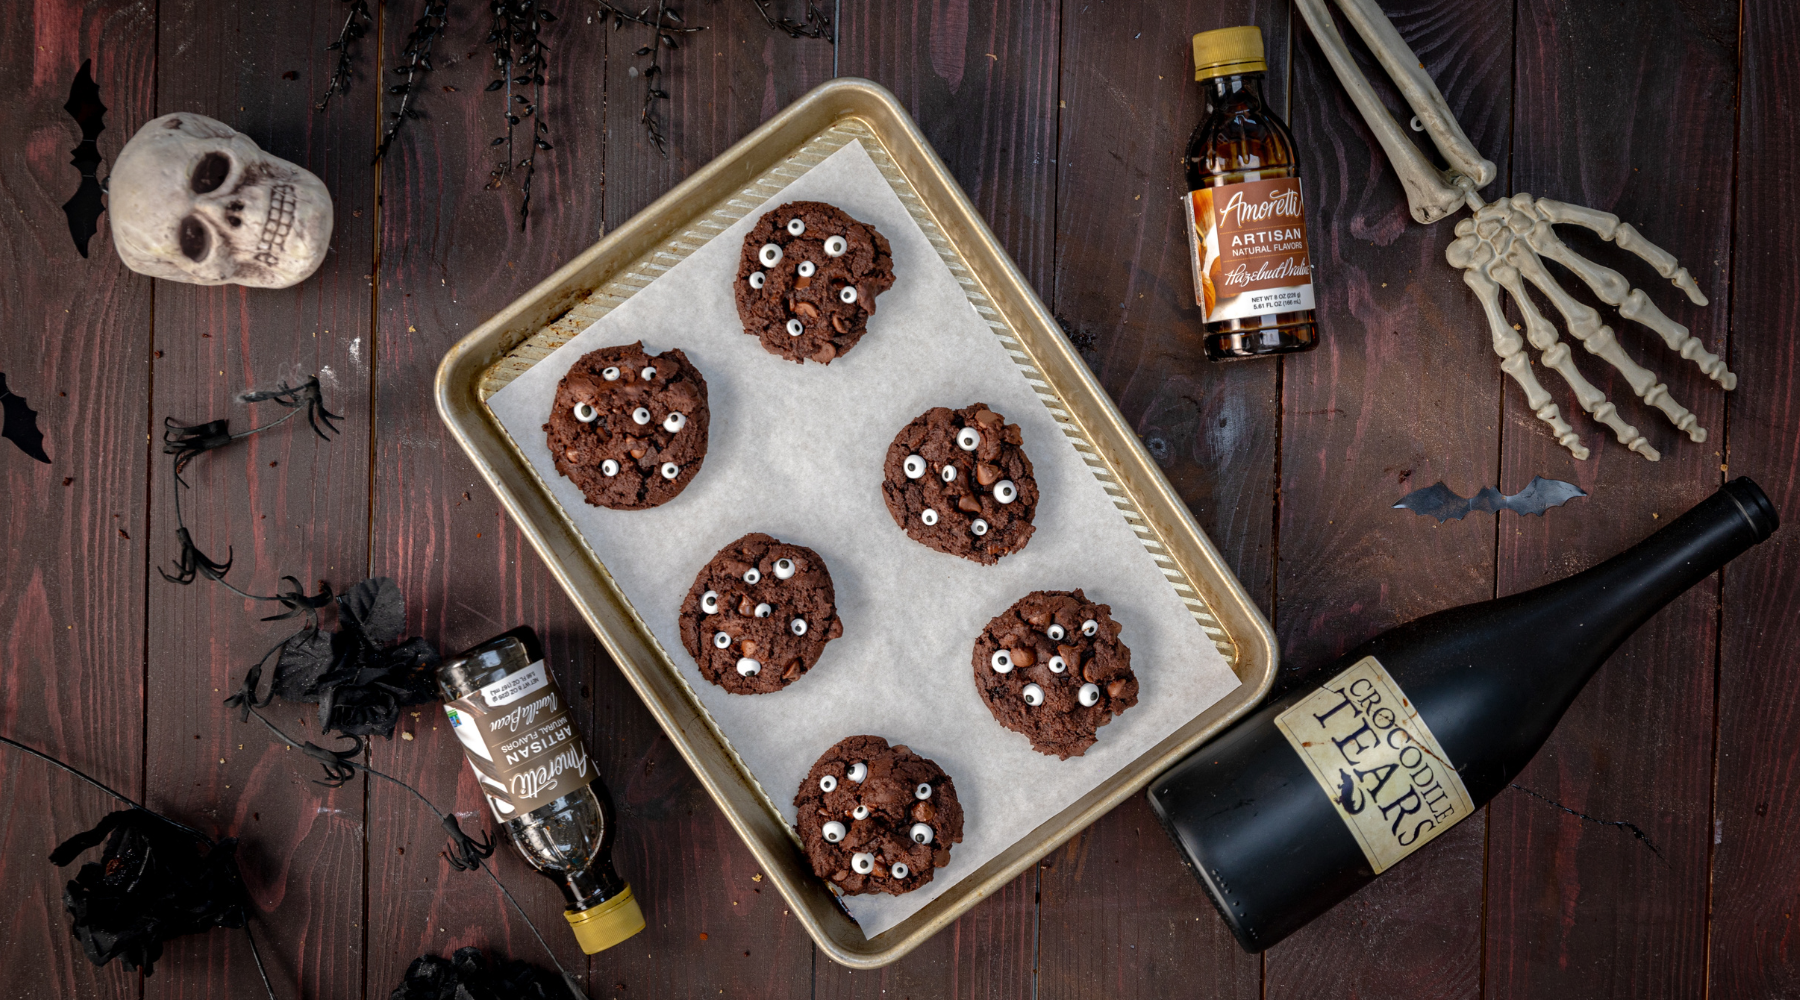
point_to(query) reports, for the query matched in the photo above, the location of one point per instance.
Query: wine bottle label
(520, 742)
(1248, 247)
(1377, 762)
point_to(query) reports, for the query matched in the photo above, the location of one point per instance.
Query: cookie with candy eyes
(807, 280)
(1052, 667)
(876, 818)
(628, 428)
(759, 615)
(959, 481)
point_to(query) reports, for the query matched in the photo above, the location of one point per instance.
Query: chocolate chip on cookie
(759, 615)
(1052, 667)
(808, 278)
(959, 481)
(875, 818)
(629, 428)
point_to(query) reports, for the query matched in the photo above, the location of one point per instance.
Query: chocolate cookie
(958, 481)
(759, 615)
(1052, 667)
(875, 818)
(807, 280)
(629, 428)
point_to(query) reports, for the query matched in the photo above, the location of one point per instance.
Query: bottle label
(1377, 762)
(1248, 245)
(520, 742)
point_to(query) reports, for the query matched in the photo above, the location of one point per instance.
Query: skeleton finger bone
(1610, 228)
(1404, 68)
(1430, 193)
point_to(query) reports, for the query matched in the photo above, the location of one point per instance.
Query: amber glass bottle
(1247, 222)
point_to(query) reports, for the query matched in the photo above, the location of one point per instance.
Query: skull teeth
(277, 225)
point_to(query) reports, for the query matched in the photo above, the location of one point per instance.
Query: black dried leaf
(541, 144)
(155, 881)
(546, 16)
(646, 50)
(499, 140)
(467, 975)
(359, 677)
(495, 85)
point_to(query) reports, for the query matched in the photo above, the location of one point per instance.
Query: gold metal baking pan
(668, 231)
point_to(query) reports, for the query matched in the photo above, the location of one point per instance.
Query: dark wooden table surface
(1063, 121)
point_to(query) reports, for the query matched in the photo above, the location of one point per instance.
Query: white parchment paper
(796, 451)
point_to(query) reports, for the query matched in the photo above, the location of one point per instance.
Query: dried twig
(356, 25)
(816, 25)
(520, 62)
(426, 29)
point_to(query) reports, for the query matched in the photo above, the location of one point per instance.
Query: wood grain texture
(76, 346)
(1574, 908)
(283, 503)
(1756, 850)
(980, 79)
(1404, 391)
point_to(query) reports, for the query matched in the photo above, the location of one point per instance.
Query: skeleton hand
(1503, 245)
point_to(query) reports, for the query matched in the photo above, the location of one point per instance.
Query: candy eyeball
(1005, 491)
(836, 246)
(769, 255)
(1001, 661)
(828, 783)
(585, 413)
(1055, 631)
(914, 466)
(922, 791)
(747, 667)
(832, 831)
(806, 269)
(797, 626)
(721, 639)
(978, 528)
(848, 295)
(795, 227)
(1089, 695)
(648, 373)
(795, 328)
(1033, 695)
(968, 439)
(640, 416)
(860, 812)
(929, 517)
(1058, 664)
(674, 422)
(764, 610)
(1089, 627)
(784, 569)
(753, 575)
(920, 833)
(899, 870)
(862, 862)
(709, 602)
(757, 280)
(670, 470)
(610, 374)
(949, 473)
(858, 771)
(609, 468)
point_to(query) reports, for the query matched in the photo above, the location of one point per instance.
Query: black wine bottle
(1311, 797)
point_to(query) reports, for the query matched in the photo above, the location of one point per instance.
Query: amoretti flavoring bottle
(1246, 218)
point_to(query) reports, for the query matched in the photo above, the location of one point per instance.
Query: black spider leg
(465, 852)
(183, 827)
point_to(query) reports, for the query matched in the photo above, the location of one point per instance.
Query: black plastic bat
(20, 425)
(85, 207)
(1441, 502)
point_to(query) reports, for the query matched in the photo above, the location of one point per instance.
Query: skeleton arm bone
(1430, 193)
(1610, 228)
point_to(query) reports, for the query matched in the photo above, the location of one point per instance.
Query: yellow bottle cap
(600, 927)
(1227, 51)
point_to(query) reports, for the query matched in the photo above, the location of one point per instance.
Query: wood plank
(1577, 909)
(1120, 916)
(72, 562)
(1403, 391)
(283, 503)
(468, 572)
(980, 79)
(1756, 850)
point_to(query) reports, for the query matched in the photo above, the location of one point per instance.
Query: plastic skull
(193, 200)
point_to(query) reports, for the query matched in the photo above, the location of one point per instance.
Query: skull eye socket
(194, 239)
(210, 172)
